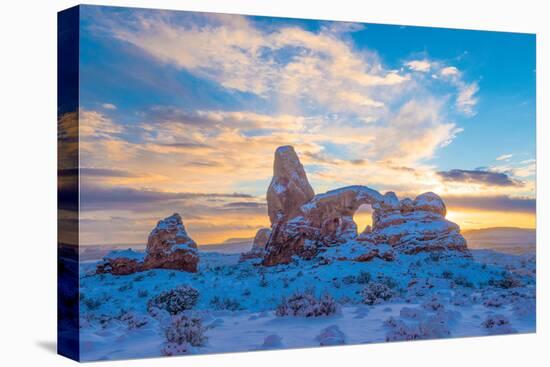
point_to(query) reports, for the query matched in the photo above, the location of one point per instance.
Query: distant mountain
(238, 240)
(502, 239)
(229, 246)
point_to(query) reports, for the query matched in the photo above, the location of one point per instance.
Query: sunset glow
(194, 132)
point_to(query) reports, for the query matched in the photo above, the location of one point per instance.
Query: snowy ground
(431, 297)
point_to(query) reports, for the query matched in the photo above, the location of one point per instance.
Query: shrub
(462, 281)
(125, 287)
(139, 278)
(376, 292)
(133, 320)
(263, 281)
(446, 274)
(175, 300)
(182, 332)
(389, 282)
(307, 305)
(142, 293)
(498, 324)
(506, 283)
(91, 303)
(229, 304)
(348, 279)
(363, 278)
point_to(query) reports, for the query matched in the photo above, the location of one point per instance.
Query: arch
(363, 217)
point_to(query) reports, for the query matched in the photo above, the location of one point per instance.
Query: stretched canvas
(234, 183)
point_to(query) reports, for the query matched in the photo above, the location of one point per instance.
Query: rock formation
(304, 224)
(289, 189)
(261, 238)
(168, 247)
(258, 246)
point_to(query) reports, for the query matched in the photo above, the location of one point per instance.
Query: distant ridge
(510, 240)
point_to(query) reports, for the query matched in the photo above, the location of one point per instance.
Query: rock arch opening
(363, 217)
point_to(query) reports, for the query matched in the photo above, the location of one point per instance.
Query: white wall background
(28, 181)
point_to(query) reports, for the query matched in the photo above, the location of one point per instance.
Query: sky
(182, 112)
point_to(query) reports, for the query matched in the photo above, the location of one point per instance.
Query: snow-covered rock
(261, 238)
(289, 187)
(168, 247)
(304, 225)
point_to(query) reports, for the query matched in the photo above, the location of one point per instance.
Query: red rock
(168, 247)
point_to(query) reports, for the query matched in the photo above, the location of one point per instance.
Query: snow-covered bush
(271, 342)
(497, 324)
(363, 278)
(142, 293)
(307, 305)
(182, 333)
(133, 320)
(505, 283)
(228, 304)
(376, 292)
(430, 327)
(331, 335)
(175, 300)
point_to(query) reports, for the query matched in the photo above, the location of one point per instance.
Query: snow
(430, 298)
(128, 254)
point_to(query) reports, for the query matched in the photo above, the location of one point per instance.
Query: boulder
(168, 247)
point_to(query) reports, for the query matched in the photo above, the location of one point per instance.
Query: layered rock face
(289, 188)
(303, 228)
(168, 247)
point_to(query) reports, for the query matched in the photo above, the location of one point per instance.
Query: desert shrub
(426, 327)
(125, 287)
(389, 282)
(434, 256)
(175, 300)
(139, 278)
(229, 304)
(181, 333)
(133, 320)
(306, 304)
(363, 278)
(348, 279)
(376, 292)
(247, 292)
(506, 283)
(497, 324)
(142, 293)
(463, 282)
(91, 303)
(263, 281)
(446, 274)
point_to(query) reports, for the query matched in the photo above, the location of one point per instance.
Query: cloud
(504, 157)
(122, 198)
(449, 71)
(467, 100)
(419, 65)
(109, 106)
(492, 203)
(478, 177)
(285, 62)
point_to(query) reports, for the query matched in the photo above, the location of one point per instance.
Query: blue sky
(177, 103)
